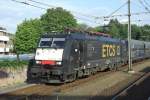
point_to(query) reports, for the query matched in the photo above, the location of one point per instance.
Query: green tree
(118, 30)
(27, 35)
(114, 28)
(145, 32)
(82, 27)
(57, 20)
(135, 32)
(123, 31)
(99, 29)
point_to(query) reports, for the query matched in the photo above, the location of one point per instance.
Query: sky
(85, 11)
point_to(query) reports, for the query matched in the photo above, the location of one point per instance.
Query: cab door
(74, 55)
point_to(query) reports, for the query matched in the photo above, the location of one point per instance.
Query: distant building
(5, 41)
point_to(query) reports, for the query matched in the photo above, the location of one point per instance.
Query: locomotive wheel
(29, 78)
(72, 77)
(94, 71)
(116, 67)
(79, 74)
(111, 67)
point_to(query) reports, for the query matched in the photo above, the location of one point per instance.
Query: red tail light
(48, 62)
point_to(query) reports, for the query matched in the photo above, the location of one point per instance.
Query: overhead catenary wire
(42, 3)
(52, 6)
(101, 17)
(111, 14)
(146, 3)
(25, 3)
(137, 4)
(121, 15)
(145, 7)
(86, 15)
(118, 9)
(138, 20)
(28, 4)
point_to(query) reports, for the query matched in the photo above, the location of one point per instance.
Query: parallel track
(124, 93)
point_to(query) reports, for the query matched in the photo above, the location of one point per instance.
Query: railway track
(47, 90)
(135, 92)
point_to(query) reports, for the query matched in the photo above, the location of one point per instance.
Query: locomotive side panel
(103, 54)
(72, 62)
(147, 49)
(111, 54)
(138, 49)
(124, 51)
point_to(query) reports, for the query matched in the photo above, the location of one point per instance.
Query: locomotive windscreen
(52, 42)
(45, 42)
(50, 49)
(58, 42)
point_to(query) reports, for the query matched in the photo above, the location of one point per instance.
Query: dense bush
(13, 64)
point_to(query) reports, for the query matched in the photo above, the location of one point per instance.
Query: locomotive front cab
(49, 58)
(50, 51)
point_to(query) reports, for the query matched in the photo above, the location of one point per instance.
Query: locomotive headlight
(38, 62)
(58, 63)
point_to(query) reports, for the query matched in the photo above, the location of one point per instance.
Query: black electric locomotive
(65, 57)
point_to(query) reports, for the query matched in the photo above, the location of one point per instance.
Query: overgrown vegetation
(27, 35)
(13, 64)
(119, 30)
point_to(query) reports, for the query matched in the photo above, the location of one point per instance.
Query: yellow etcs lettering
(109, 50)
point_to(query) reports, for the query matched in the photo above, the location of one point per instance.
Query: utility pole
(130, 70)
